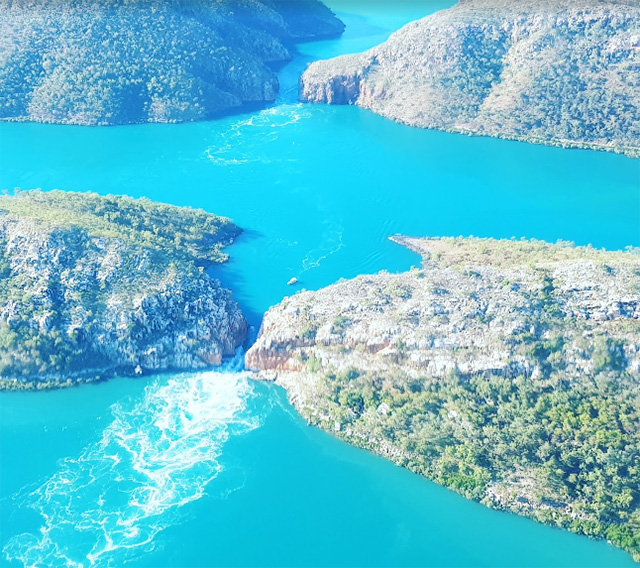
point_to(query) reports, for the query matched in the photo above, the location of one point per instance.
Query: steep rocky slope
(93, 286)
(505, 370)
(563, 73)
(111, 62)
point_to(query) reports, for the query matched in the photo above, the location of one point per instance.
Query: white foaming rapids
(158, 454)
(243, 141)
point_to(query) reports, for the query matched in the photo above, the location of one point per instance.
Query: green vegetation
(543, 71)
(507, 371)
(75, 268)
(172, 232)
(575, 447)
(112, 62)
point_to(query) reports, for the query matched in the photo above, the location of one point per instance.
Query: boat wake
(157, 455)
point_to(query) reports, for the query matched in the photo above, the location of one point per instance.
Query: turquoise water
(211, 469)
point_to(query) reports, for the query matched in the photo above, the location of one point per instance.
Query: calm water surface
(211, 469)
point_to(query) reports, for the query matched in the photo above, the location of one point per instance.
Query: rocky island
(560, 73)
(93, 286)
(507, 371)
(95, 62)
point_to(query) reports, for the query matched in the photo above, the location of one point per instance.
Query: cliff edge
(94, 286)
(507, 371)
(560, 73)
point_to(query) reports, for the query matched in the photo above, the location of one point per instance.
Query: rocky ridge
(560, 73)
(505, 370)
(103, 62)
(83, 298)
(457, 313)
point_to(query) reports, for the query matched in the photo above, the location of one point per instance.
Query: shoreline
(409, 461)
(426, 367)
(626, 151)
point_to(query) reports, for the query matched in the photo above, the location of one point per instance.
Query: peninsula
(543, 71)
(101, 62)
(94, 286)
(507, 371)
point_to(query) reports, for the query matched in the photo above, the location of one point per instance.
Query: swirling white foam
(331, 244)
(157, 455)
(235, 147)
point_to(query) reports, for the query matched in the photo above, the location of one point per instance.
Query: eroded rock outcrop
(562, 73)
(109, 62)
(505, 370)
(95, 286)
(460, 314)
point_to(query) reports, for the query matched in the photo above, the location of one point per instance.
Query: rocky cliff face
(108, 62)
(562, 73)
(463, 317)
(81, 304)
(504, 370)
